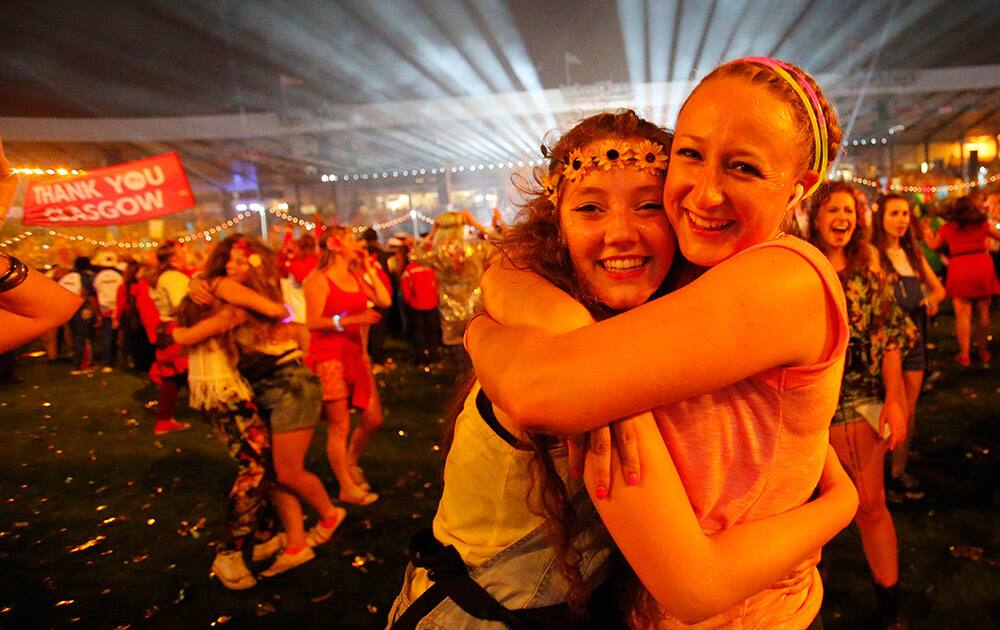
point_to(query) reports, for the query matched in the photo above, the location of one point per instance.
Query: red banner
(126, 193)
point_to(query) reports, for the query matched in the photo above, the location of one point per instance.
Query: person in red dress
(971, 281)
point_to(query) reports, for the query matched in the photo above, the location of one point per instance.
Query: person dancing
(226, 401)
(287, 394)
(972, 281)
(337, 295)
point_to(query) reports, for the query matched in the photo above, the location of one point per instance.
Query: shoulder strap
(485, 408)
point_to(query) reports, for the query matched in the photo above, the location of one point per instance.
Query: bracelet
(16, 274)
(336, 323)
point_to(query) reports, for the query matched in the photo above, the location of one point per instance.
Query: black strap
(485, 408)
(451, 579)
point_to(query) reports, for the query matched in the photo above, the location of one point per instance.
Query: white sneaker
(320, 534)
(288, 561)
(229, 567)
(269, 547)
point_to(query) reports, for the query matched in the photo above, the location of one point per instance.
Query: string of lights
(207, 235)
(416, 172)
(923, 188)
(48, 171)
(246, 211)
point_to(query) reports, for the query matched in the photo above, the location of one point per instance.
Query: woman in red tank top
(338, 293)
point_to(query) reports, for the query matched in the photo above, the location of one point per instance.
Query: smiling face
(238, 265)
(896, 217)
(618, 237)
(836, 220)
(734, 169)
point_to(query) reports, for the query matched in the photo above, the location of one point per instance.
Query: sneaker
(319, 534)
(963, 360)
(286, 561)
(985, 356)
(168, 426)
(229, 567)
(269, 548)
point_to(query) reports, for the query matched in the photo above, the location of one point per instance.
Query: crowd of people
(751, 434)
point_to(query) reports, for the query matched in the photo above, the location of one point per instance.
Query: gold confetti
(221, 620)
(101, 508)
(65, 602)
(151, 521)
(323, 597)
(87, 545)
(46, 404)
(965, 552)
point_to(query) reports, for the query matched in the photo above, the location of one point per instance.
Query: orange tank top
(756, 448)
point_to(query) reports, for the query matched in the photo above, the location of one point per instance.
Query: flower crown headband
(814, 109)
(646, 156)
(253, 259)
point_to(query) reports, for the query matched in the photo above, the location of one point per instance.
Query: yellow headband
(642, 156)
(813, 109)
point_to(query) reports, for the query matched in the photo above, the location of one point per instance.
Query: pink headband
(814, 109)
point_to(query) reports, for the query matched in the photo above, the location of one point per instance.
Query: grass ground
(104, 525)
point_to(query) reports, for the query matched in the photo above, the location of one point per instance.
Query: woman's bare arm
(518, 297)
(36, 305)
(693, 575)
(760, 310)
(239, 295)
(226, 319)
(372, 285)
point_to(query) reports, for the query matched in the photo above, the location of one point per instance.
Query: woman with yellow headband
(741, 367)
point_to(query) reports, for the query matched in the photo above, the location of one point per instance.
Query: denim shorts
(290, 398)
(915, 360)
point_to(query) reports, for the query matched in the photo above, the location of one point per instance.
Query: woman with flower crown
(516, 541)
(741, 366)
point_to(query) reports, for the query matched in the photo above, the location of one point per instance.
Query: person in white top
(107, 279)
(170, 286)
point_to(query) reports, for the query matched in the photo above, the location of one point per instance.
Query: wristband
(16, 274)
(336, 323)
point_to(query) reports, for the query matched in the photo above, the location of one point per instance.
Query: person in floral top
(871, 415)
